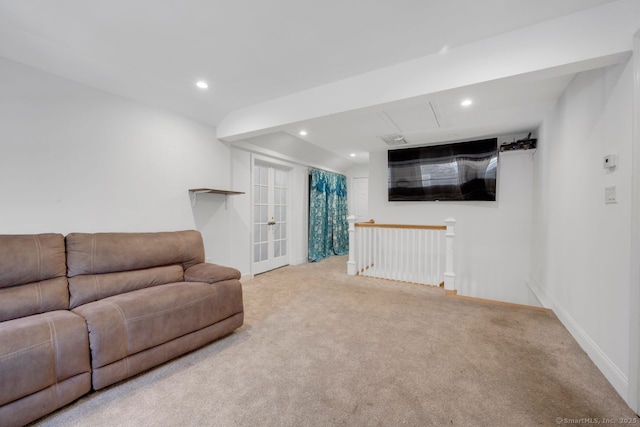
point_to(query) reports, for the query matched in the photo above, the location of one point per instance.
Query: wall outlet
(610, 195)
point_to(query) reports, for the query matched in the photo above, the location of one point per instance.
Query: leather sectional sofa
(89, 310)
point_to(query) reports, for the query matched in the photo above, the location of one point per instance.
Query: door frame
(275, 163)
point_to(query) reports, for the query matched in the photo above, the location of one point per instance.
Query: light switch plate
(610, 195)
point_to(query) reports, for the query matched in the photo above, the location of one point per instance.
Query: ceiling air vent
(393, 140)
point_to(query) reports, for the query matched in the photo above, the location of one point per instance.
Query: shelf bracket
(193, 195)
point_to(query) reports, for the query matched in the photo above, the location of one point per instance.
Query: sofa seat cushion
(39, 351)
(125, 324)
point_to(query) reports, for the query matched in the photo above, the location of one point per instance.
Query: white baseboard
(612, 373)
(298, 261)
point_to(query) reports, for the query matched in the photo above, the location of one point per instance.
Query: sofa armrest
(210, 273)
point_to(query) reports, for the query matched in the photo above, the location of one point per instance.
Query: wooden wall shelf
(193, 192)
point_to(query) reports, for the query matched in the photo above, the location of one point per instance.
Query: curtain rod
(309, 169)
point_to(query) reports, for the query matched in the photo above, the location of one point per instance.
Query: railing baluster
(423, 254)
(374, 261)
(436, 258)
(449, 275)
(361, 250)
(412, 256)
(402, 252)
(378, 259)
(431, 266)
(381, 245)
(392, 253)
(388, 252)
(381, 251)
(428, 255)
(367, 262)
(376, 251)
(397, 271)
(409, 248)
(396, 257)
(351, 264)
(370, 263)
(369, 253)
(414, 269)
(401, 256)
(418, 234)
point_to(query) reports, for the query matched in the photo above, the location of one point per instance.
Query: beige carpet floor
(320, 348)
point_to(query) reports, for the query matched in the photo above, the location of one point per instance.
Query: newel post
(449, 275)
(351, 264)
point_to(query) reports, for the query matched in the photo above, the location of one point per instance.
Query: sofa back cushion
(104, 264)
(93, 287)
(32, 275)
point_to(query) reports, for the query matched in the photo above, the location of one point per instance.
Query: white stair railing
(410, 253)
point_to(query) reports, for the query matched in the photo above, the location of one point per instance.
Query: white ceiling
(504, 107)
(251, 51)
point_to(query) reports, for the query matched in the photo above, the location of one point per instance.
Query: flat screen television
(455, 171)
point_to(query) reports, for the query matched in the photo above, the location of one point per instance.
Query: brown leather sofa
(115, 305)
(44, 352)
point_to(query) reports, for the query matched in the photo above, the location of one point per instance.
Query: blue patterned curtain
(328, 225)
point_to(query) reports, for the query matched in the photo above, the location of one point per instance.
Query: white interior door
(360, 199)
(270, 217)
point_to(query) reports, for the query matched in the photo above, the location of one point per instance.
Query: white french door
(270, 239)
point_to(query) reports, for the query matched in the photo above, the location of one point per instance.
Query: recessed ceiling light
(466, 102)
(352, 155)
(202, 84)
(303, 132)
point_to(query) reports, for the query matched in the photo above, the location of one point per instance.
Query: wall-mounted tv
(455, 171)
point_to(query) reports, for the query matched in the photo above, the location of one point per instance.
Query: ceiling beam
(585, 40)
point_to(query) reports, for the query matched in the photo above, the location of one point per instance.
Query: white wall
(634, 298)
(240, 206)
(492, 243)
(581, 247)
(74, 158)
